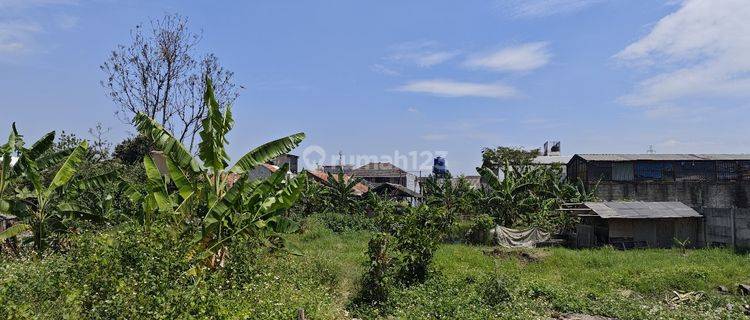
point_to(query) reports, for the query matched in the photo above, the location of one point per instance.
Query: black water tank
(438, 166)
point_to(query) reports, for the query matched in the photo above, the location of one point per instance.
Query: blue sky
(376, 77)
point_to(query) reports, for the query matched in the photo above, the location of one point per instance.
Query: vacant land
(135, 278)
(545, 283)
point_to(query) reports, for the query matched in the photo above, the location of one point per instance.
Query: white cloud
(15, 36)
(382, 69)
(421, 53)
(524, 57)
(699, 51)
(451, 88)
(542, 8)
(21, 22)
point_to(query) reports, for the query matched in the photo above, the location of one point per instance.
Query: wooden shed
(635, 224)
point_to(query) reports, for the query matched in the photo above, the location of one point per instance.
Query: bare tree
(160, 74)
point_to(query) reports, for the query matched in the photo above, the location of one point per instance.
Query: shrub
(479, 232)
(376, 283)
(417, 234)
(494, 291)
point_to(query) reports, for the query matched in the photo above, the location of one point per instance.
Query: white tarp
(513, 238)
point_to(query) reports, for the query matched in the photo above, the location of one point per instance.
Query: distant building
(715, 185)
(335, 168)
(551, 155)
(290, 159)
(383, 172)
(261, 172)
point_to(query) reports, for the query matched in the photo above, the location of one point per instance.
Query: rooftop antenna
(341, 162)
(650, 149)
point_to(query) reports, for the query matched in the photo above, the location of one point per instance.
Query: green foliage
(494, 159)
(132, 150)
(340, 193)
(378, 280)
(201, 192)
(527, 196)
(41, 204)
(479, 232)
(126, 274)
(459, 198)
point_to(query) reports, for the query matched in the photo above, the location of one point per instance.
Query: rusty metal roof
(322, 177)
(663, 157)
(641, 210)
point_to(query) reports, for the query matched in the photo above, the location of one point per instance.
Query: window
(654, 171)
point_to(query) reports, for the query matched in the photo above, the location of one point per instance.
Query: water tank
(438, 166)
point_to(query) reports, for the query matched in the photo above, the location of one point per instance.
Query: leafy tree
(495, 158)
(206, 191)
(132, 150)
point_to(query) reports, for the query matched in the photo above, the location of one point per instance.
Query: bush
(479, 232)
(129, 274)
(376, 283)
(494, 291)
(417, 234)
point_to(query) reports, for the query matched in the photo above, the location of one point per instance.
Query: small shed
(635, 224)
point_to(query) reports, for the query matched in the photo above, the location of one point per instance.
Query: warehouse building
(716, 185)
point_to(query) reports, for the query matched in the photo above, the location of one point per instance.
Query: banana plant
(12, 174)
(340, 192)
(206, 190)
(42, 213)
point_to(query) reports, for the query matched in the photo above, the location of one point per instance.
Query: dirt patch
(522, 255)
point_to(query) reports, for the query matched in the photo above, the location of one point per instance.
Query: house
(322, 178)
(382, 172)
(625, 225)
(290, 159)
(261, 172)
(715, 185)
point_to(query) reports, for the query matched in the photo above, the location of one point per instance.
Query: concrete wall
(726, 227)
(695, 194)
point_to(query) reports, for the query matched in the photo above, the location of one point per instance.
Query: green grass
(625, 284)
(119, 276)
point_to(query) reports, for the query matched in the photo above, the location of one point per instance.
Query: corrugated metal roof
(404, 191)
(551, 159)
(641, 210)
(663, 157)
(378, 169)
